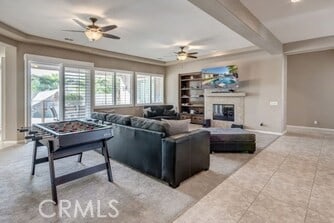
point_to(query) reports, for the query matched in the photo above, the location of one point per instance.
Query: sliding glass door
(57, 91)
(44, 92)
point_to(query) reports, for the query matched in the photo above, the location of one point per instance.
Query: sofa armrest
(183, 157)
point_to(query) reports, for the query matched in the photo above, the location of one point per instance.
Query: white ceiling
(148, 28)
(291, 22)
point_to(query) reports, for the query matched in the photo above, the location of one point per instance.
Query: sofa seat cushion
(149, 124)
(177, 126)
(119, 119)
(230, 135)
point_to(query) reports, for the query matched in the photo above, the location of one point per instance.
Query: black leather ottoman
(231, 140)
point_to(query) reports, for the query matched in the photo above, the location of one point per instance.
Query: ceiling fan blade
(80, 23)
(76, 31)
(189, 56)
(108, 28)
(110, 36)
(192, 53)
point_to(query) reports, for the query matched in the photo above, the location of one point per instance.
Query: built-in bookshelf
(191, 97)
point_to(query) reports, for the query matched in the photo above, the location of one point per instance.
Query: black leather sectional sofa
(145, 145)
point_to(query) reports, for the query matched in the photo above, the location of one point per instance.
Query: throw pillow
(151, 114)
(146, 110)
(177, 126)
(171, 112)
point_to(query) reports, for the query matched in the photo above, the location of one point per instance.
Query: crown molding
(19, 36)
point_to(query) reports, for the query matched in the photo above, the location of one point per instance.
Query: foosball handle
(33, 132)
(29, 137)
(23, 129)
(38, 138)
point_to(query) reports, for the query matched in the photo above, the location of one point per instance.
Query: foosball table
(69, 138)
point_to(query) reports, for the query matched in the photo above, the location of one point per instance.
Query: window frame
(150, 75)
(114, 73)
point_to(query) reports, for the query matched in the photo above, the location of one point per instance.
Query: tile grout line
(315, 175)
(263, 187)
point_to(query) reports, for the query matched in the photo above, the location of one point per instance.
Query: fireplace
(223, 112)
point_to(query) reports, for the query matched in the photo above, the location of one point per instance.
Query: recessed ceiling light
(68, 39)
(295, 1)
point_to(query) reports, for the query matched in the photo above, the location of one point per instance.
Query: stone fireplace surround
(235, 98)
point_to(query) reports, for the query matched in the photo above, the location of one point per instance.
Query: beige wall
(17, 80)
(311, 89)
(262, 78)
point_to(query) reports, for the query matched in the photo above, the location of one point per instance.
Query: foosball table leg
(34, 155)
(52, 173)
(107, 160)
(80, 158)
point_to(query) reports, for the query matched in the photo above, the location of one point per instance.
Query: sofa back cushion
(149, 124)
(119, 119)
(99, 116)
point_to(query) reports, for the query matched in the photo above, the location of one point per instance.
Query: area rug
(136, 197)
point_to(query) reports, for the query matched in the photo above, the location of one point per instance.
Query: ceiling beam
(311, 45)
(233, 14)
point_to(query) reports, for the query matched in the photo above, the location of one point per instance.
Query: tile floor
(290, 181)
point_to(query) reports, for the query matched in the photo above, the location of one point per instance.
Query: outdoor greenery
(43, 83)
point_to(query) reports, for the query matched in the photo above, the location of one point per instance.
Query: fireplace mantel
(233, 98)
(232, 94)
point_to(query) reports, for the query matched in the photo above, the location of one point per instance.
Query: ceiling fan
(94, 32)
(183, 55)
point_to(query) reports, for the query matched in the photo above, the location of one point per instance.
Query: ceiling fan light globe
(182, 56)
(93, 35)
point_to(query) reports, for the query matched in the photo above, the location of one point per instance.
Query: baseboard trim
(267, 132)
(309, 129)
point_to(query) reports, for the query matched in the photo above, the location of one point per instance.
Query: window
(123, 88)
(104, 88)
(113, 88)
(150, 89)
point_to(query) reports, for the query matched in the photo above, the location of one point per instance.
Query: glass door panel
(44, 92)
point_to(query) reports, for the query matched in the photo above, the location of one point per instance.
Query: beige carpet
(141, 198)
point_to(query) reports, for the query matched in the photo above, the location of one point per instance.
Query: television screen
(221, 77)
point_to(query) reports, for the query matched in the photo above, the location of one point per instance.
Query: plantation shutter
(157, 90)
(77, 97)
(143, 89)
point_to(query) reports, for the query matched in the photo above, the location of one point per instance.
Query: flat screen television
(225, 78)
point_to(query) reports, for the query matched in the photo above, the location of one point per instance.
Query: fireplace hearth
(223, 112)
